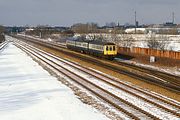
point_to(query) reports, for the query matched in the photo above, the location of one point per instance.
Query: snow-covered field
(28, 92)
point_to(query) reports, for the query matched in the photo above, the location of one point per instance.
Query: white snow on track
(28, 92)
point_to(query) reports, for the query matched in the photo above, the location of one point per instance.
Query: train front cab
(110, 51)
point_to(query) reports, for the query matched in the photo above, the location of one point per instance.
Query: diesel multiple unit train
(94, 47)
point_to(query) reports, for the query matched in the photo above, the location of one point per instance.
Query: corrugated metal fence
(150, 52)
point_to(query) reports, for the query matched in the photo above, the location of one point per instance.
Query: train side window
(113, 48)
(106, 48)
(110, 48)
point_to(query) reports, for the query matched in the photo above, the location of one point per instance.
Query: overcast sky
(68, 12)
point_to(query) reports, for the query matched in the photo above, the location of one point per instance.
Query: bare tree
(127, 40)
(157, 42)
(163, 42)
(114, 36)
(84, 28)
(152, 41)
(121, 39)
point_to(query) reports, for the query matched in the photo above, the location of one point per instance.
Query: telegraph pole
(173, 17)
(135, 20)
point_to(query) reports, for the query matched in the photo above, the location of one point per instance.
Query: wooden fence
(151, 52)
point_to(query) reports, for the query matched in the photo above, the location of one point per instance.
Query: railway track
(3, 45)
(118, 94)
(154, 73)
(165, 80)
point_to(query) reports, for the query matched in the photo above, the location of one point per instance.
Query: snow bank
(28, 92)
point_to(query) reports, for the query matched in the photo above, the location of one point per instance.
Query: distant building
(169, 24)
(138, 30)
(29, 29)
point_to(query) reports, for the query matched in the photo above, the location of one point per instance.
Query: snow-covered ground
(28, 92)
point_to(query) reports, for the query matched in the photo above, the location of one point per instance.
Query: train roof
(98, 42)
(79, 39)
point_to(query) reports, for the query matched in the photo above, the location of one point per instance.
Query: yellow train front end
(110, 51)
